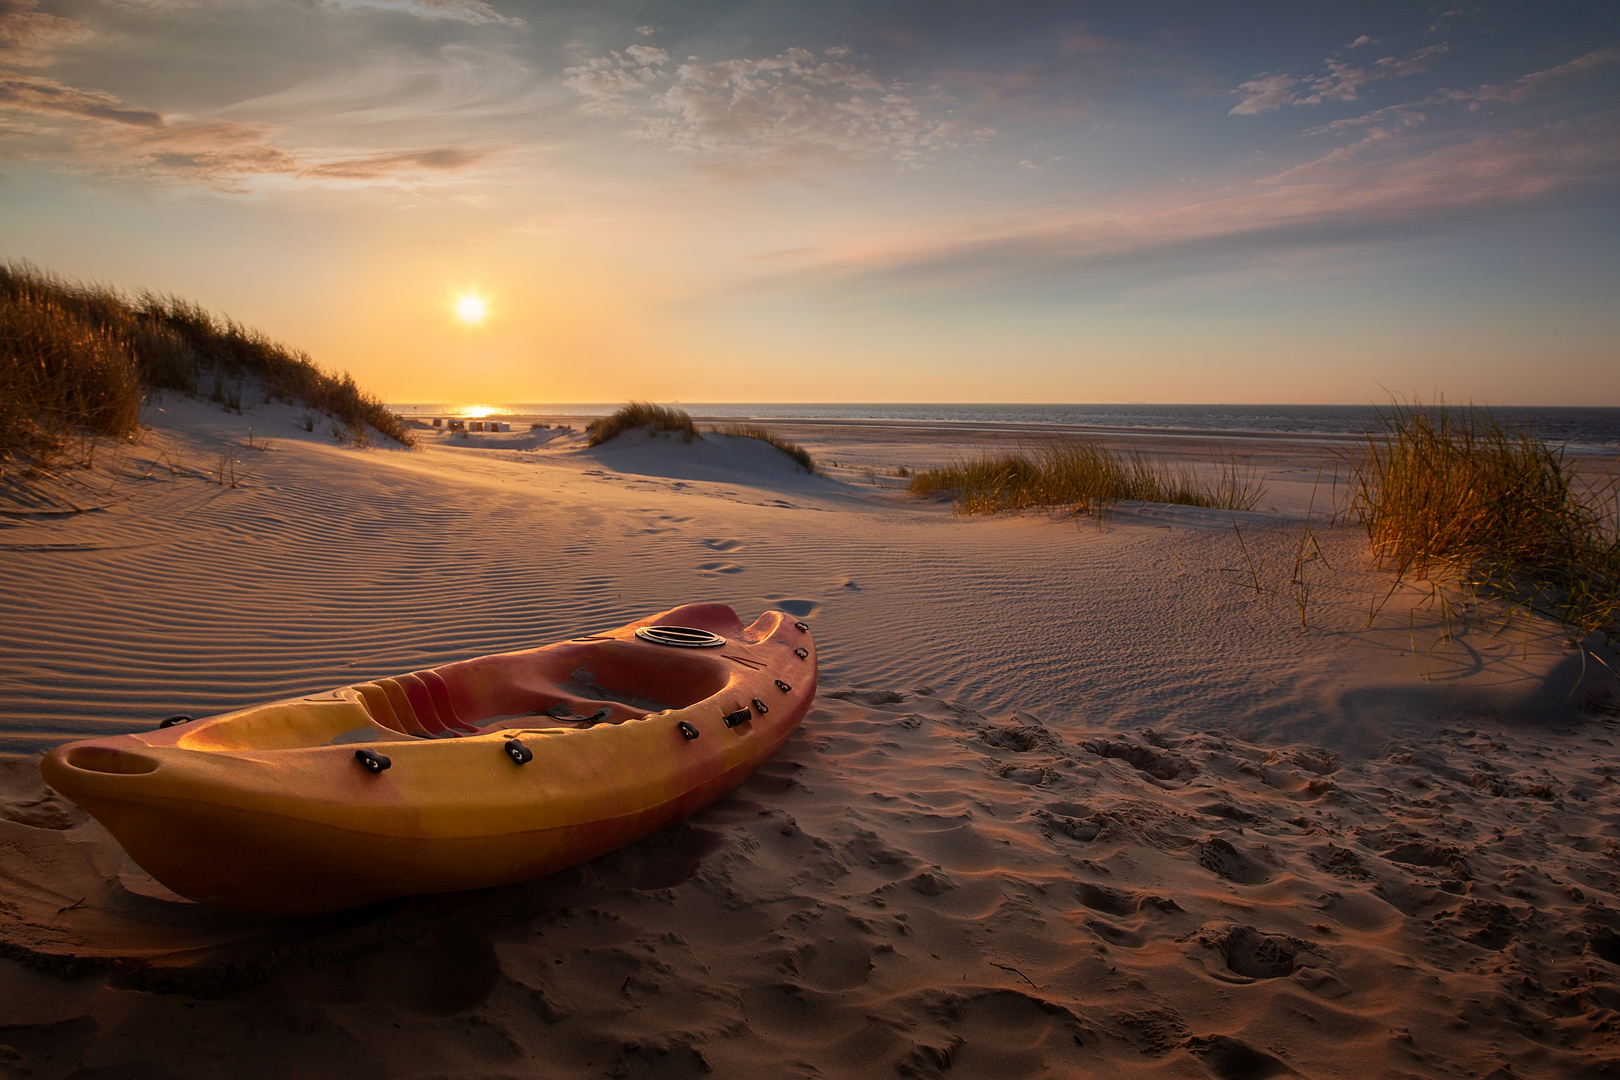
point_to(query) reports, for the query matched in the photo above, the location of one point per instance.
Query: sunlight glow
(470, 309)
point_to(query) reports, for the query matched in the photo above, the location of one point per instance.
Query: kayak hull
(272, 808)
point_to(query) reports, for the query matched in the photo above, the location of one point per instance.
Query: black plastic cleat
(373, 761)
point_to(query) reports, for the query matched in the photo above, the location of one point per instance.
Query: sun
(471, 309)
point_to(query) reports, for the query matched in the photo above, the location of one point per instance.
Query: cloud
(31, 93)
(420, 95)
(1340, 81)
(1517, 92)
(606, 82)
(28, 36)
(1379, 189)
(1538, 82)
(89, 130)
(231, 157)
(472, 12)
(1359, 42)
(253, 142)
(785, 112)
(1079, 69)
(647, 55)
(393, 165)
(1264, 92)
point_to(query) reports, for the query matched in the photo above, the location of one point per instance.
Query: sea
(1578, 429)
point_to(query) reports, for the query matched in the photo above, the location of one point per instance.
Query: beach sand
(1077, 797)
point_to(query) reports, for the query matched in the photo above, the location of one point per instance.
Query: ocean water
(1577, 428)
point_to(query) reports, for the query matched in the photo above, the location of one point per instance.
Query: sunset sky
(495, 200)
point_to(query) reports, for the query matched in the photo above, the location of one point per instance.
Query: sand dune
(1075, 799)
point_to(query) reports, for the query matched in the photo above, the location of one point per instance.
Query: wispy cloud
(473, 12)
(1517, 92)
(1538, 82)
(1370, 192)
(28, 36)
(1339, 81)
(437, 92)
(390, 166)
(97, 132)
(36, 94)
(1264, 92)
(1081, 70)
(264, 141)
(788, 111)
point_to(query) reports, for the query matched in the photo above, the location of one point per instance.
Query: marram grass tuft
(79, 359)
(1082, 476)
(1468, 501)
(656, 419)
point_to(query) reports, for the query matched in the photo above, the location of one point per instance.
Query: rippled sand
(1076, 798)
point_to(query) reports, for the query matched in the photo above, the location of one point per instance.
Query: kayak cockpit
(578, 685)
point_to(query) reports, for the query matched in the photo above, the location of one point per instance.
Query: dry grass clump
(1468, 501)
(60, 375)
(77, 358)
(232, 354)
(641, 414)
(799, 454)
(1082, 476)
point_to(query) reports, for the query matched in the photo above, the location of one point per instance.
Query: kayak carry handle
(687, 730)
(373, 761)
(741, 716)
(784, 687)
(519, 753)
(173, 720)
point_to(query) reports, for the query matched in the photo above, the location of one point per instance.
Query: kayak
(476, 773)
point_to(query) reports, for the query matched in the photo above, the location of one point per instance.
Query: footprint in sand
(794, 606)
(721, 568)
(722, 545)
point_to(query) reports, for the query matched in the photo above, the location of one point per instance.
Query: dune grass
(661, 419)
(1472, 503)
(59, 376)
(799, 454)
(1081, 476)
(79, 359)
(657, 419)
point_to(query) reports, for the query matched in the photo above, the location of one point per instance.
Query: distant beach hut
(437, 422)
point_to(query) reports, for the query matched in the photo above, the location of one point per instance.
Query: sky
(515, 201)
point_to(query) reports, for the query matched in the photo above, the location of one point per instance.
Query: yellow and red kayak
(476, 773)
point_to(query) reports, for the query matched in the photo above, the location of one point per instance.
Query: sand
(1077, 797)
